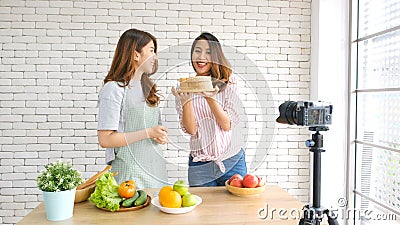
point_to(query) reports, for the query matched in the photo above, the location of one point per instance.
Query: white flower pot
(59, 205)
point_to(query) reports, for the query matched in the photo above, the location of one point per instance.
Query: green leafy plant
(106, 193)
(59, 176)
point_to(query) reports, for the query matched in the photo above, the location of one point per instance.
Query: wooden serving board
(124, 209)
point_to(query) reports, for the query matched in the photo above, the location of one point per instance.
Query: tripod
(313, 214)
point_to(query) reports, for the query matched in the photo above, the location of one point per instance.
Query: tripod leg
(332, 221)
(331, 218)
(308, 222)
(308, 217)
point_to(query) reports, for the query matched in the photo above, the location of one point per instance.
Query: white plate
(181, 210)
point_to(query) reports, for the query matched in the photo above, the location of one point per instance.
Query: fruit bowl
(247, 192)
(180, 210)
(83, 194)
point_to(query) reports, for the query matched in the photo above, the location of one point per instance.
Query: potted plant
(58, 182)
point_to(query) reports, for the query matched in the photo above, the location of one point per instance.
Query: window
(376, 94)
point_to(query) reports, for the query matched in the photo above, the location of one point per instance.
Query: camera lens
(288, 113)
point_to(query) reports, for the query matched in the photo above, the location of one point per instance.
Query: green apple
(181, 187)
(189, 200)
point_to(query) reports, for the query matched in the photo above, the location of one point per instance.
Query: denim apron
(142, 161)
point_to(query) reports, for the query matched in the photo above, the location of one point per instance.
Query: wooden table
(218, 207)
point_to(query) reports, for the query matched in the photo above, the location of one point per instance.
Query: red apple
(235, 176)
(261, 181)
(250, 181)
(236, 182)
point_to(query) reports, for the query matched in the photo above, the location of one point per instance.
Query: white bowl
(180, 210)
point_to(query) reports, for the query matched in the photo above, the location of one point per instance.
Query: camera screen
(316, 116)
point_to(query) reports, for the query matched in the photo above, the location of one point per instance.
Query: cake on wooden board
(196, 84)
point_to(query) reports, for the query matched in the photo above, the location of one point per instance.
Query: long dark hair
(220, 67)
(122, 69)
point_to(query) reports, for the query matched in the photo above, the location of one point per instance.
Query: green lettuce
(106, 193)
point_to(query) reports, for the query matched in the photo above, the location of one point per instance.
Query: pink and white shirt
(211, 142)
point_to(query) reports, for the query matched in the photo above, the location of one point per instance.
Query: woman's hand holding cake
(184, 97)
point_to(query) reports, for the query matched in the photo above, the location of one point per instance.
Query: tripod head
(317, 140)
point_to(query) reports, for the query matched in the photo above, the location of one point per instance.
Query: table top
(218, 207)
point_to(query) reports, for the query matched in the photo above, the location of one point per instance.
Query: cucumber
(142, 198)
(129, 201)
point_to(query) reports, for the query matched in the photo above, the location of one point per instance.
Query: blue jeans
(203, 174)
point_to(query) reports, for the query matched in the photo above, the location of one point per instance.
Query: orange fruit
(164, 190)
(169, 198)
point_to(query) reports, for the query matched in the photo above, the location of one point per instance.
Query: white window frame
(352, 174)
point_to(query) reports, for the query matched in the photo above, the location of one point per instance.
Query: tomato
(127, 189)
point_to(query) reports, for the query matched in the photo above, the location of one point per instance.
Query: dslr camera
(302, 113)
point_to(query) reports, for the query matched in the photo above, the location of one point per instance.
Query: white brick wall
(55, 54)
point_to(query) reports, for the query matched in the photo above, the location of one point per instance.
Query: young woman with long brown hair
(210, 118)
(129, 124)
